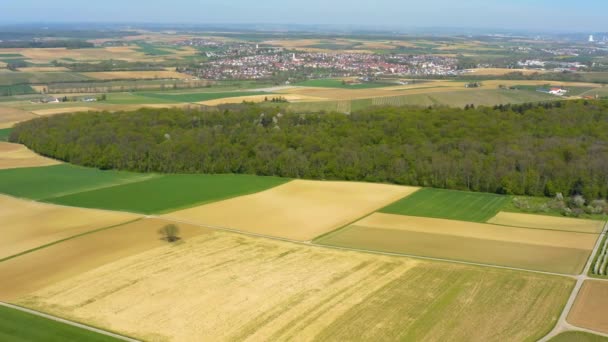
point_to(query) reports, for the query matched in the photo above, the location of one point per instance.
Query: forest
(542, 149)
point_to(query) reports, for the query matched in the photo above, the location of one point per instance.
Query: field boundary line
(68, 322)
(333, 231)
(562, 323)
(310, 243)
(69, 238)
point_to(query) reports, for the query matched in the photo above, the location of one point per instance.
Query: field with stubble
(13, 156)
(27, 225)
(235, 287)
(298, 210)
(591, 307)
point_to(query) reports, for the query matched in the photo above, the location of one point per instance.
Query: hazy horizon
(520, 15)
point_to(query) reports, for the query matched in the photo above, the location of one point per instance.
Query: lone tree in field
(169, 232)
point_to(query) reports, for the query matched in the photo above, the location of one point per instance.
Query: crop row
(601, 262)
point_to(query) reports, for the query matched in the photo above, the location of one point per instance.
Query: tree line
(545, 149)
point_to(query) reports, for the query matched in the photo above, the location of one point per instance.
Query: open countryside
(303, 171)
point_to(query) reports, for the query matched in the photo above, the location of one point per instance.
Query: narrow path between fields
(65, 321)
(562, 324)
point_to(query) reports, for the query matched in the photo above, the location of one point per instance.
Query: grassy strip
(68, 238)
(449, 204)
(578, 336)
(17, 325)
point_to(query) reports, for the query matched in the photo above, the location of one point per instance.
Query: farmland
(17, 156)
(591, 307)
(544, 222)
(271, 281)
(28, 225)
(19, 326)
(375, 187)
(335, 83)
(298, 210)
(448, 204)
(66, 258)
(59, 180)
(578, 336)
(124, 191)
(168, 192)
(4, 134)
(550, 251)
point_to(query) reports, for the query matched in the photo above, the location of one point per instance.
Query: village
(266, 65)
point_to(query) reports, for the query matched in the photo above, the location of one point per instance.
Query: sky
(544, 15)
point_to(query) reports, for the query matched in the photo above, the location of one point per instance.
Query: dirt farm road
(65, 321)
(562, 324)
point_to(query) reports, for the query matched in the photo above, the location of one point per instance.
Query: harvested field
(233, 287)
(13, 156)
(550, 251)
(259, 98)
(128, 75)
(298, 210)
(43, 69)
(81, 254)
(27, 225)
(449, 204)
(591, 307)
(548, 222)
(63, 110)
(11, 116)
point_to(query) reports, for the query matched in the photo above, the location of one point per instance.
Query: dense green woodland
(525, 149)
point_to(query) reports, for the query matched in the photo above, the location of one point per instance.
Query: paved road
(562, 324)
(65, 321)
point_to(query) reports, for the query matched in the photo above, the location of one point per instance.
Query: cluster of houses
(265, 65)
(52, 99)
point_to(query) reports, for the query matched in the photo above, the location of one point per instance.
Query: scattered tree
(170, 233)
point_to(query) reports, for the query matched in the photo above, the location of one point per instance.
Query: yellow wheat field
(298, 210)
(27, 224)
(228, 287)
(14, 156)
(548, 222)
(75, 256)
(10, 116)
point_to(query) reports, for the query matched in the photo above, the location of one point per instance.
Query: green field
(17, 326)
(198, 97)
(14, 78)
(578, 336)
(19, 89)
(44, 182)
(4, 134)
(335, 83)
(169, 192)
(153, 50)
(449, 204)
(478, 97)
